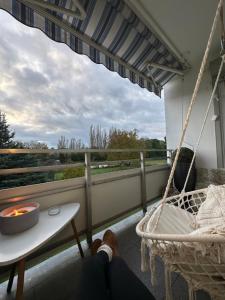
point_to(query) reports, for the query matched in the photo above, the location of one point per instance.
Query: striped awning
(109, 33)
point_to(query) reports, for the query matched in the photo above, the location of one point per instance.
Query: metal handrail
(87, 166)
(56, 167)
(67, 151)
(38, 169)
(113, 162)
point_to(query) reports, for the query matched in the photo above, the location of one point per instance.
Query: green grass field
(149, 162)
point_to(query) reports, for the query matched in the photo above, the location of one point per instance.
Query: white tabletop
(18, 246)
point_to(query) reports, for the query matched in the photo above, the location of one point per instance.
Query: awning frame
(79, 11)
(66, 26)
(165, 68)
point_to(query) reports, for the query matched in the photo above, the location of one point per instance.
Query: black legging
(104, 280)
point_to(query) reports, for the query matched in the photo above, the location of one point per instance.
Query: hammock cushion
(212, 210)
(209, 250)
(173, 220)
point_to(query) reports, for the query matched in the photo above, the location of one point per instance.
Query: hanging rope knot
(223, 59)
(182, 192)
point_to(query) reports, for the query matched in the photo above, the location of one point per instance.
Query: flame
(18, 212)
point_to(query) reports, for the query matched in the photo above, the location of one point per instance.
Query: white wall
(178, 94)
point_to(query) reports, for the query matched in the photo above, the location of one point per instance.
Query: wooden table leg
(77, 238)
(20, 281)
(11, 277)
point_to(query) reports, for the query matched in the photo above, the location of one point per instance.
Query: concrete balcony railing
(103, 198)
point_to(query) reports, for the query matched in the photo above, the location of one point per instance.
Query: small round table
(16, 248)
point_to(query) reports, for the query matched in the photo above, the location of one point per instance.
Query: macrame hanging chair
(188, 230)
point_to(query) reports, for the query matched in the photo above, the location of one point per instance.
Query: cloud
(47, 91)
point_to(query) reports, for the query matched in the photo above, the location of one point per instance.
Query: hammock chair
(188, 230)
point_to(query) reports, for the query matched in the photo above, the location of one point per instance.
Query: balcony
(104, 199)
(115, 199)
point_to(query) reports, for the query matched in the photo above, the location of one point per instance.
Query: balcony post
(169, 157)
(88, 197)
(143, 182)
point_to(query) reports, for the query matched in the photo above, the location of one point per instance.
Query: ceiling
(183, 25)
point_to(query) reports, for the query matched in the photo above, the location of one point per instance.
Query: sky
(47, 90)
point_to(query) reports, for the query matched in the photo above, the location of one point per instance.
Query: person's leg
(93, 283)
(124, 284)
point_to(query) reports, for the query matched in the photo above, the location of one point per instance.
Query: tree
(72, 144)
(6, 135)
(123, 139)
(63, 143)
(155, 144)
(98, 137)
(35, 145)
(8, 161)
(76, 144)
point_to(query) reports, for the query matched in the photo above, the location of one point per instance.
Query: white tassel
(191, 293)
(153, 269)
(219, 254)
(168, 283)
(144, 256)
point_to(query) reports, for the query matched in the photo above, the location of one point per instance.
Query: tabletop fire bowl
(18, 218)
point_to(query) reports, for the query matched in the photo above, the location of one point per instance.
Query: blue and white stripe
(111, 34)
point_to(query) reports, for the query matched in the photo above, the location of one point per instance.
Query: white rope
(193, 99)
(204, 122)
(200, 258)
